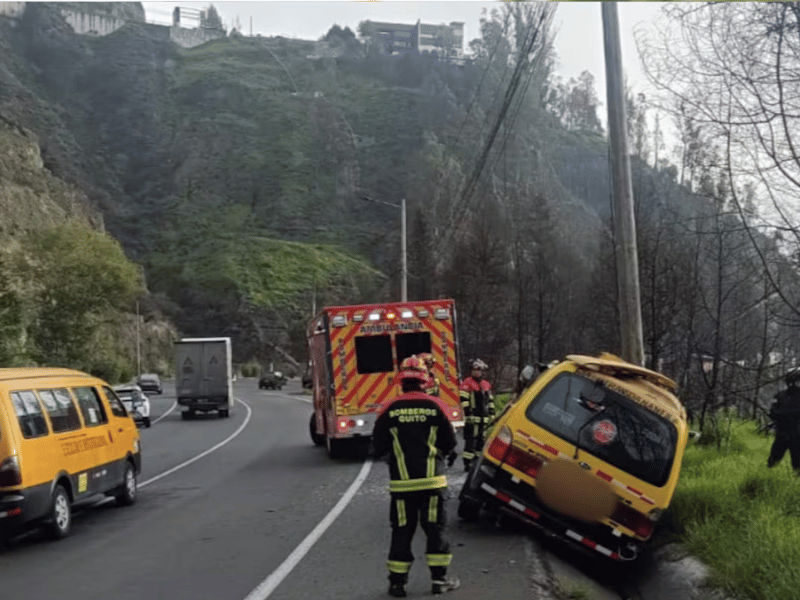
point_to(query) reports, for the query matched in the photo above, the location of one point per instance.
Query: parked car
(150, 382)
(590, 452)
(274, 380)
(136, 403)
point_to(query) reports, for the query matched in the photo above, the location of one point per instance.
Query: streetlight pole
(403, 252)
(138, 344)
(404, 270)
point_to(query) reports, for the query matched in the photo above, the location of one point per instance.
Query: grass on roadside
(740, 518)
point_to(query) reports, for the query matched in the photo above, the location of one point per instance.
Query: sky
(579, 41)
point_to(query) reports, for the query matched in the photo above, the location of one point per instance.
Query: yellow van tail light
(9, 472)
(499, 446)
(503, 449)
(641, 524)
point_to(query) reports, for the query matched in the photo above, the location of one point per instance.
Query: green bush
(251, 369)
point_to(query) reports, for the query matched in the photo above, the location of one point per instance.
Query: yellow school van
(590, 452)
(64, 437)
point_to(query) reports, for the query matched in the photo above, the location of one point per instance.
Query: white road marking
(171, 408)
(205, 452)
(266, 587)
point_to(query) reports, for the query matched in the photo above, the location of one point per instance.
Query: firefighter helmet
(478, 364)
(413, 368)
(427, 359)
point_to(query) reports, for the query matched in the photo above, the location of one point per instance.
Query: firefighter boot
(397, 585)
(444, 585)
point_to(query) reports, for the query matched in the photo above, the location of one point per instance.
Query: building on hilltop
(444, 41)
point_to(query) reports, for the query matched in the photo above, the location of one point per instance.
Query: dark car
(273, 380)
(150, 382)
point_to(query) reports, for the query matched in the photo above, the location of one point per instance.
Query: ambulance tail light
(9, 472)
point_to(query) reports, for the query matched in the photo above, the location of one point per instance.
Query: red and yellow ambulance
(355, 352)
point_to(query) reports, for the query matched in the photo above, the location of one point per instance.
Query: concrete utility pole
(403, 252)
(630, 311)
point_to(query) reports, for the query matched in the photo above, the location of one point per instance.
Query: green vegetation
(738, 517)
(65, 294)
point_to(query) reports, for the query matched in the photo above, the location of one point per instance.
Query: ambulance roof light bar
(339, 321)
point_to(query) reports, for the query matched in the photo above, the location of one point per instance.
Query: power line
(465, 198)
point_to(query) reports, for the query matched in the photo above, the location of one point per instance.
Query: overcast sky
(579, 41)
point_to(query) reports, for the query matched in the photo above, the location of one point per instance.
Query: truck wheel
(223, 413)
(60, 514)
(187, 414)
(317, 438)
(147, 421)
(125, 495)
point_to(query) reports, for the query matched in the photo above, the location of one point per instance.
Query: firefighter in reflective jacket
(478, 405)
(431, 386)
(415, 432)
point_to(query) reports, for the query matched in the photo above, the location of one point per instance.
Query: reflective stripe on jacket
(418, 436)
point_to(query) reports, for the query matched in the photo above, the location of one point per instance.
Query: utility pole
(403, 252)
(138, 344)
(630, 311)
(404, 270)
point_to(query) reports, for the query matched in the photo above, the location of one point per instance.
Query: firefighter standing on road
(478, 405)
(785, 412)
(431, 386)
(417, 435)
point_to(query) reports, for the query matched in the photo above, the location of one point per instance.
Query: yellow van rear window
(607, 425)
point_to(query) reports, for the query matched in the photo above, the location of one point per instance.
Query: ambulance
(355, 352)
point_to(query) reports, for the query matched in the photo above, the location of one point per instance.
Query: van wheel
(60, 514)
(187, 414)
(223, 413)
(317, 438)
(126, 493)
(469, 509)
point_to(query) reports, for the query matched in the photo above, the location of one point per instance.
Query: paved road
(236, 508)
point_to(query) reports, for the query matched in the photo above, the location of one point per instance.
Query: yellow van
(64, 437)
(591, 452)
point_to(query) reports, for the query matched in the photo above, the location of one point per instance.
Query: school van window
(31, 420)
(91, 406)
(62, 412)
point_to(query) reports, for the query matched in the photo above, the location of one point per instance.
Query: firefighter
(418, 437)
(431, 386)
(478, 405)
(785, 413)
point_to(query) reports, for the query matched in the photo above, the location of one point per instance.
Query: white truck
(204, 376)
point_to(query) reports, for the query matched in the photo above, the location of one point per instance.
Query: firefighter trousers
(428, 509)
(473, 441)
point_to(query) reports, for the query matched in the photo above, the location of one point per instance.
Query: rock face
(31, 197)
